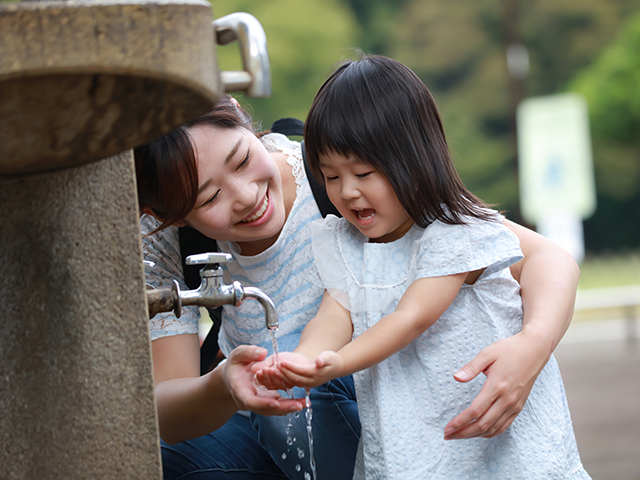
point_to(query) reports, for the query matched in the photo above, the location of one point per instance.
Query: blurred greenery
(304, 40)
(609, 269)
(458, 49)
(611, 86)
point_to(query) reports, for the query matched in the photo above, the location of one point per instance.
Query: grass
(610, 270)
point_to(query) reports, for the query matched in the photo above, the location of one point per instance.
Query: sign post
(557, 186)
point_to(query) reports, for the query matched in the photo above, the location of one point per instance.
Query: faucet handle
(148, 265)
(211, 258)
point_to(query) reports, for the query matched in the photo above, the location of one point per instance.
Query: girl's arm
(190, 405)
(548, 277)
(421, 305)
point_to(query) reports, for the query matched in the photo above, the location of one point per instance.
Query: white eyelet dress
(405, 402)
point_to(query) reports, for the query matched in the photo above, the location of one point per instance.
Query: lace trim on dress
(276, 142)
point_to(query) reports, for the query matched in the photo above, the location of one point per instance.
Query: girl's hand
(270, 375)
(327, 366)
(511, 366)
(238, 378)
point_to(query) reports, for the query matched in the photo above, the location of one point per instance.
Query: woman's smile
(262, 215)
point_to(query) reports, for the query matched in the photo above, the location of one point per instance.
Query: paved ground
(602, 380)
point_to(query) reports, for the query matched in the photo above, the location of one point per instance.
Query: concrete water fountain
(80, 84)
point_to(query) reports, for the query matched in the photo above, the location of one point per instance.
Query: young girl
(417, 279)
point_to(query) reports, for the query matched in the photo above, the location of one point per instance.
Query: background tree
(611, 85)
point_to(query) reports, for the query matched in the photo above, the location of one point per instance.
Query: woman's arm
(190, 405)
(548, 277)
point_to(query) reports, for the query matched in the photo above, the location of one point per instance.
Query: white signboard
(557, 187)
(554, 157)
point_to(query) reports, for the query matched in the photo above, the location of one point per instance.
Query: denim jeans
(238, 451)
(335, 429)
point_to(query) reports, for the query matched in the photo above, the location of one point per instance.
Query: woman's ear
(148, 211)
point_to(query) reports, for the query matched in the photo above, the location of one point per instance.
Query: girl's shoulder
(446, 249)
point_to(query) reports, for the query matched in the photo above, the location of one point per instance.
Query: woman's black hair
(379, 111)
(166, 168)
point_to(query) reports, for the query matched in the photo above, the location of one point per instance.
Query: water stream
(308, 415)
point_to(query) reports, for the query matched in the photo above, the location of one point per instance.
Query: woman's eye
(213, 197)
(245, 160)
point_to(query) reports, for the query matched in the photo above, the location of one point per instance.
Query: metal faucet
(212, 292)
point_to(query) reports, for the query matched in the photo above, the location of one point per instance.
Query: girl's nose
(349, 190)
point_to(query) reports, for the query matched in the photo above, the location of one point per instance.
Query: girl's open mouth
(366, 213)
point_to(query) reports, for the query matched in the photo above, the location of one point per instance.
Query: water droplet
(297, 468)
(289, 441)
(300, 453)
(307, 476)
(284, 456)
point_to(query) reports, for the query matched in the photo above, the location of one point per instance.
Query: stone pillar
(81, 81)
(76, 392)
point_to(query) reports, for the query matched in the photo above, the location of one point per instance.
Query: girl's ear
(235, 102)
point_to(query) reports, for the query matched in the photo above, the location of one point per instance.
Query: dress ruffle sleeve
(330, 270)
(451, 249)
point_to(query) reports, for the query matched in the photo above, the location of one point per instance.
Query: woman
(252, 195)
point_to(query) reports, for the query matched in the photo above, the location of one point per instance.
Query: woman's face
(240, 194)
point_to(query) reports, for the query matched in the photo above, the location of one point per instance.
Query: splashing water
(309, 415)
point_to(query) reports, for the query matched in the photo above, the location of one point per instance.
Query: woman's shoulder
(276, 142)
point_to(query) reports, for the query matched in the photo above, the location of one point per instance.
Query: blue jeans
(239, 451)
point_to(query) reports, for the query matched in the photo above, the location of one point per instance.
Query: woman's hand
(511, 366)
(238, 377)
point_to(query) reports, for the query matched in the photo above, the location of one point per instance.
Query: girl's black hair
(166, 168)
(379, 111)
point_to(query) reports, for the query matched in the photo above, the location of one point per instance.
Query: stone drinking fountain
(81, 83)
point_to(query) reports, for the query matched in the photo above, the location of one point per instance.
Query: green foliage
(611, 84)
(378, 19)
(610, 270)
(304, 40)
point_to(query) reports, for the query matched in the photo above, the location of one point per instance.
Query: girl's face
(240, 195)
(365, 198)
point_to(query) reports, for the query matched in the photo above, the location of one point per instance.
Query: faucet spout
(270, 315)
(212, 292)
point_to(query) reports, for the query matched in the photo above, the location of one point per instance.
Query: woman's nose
(244, 194)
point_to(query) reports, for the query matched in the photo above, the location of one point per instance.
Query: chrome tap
(212, 292)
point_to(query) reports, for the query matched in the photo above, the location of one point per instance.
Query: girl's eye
(362, 175)
(245, 160)
(327, 178)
